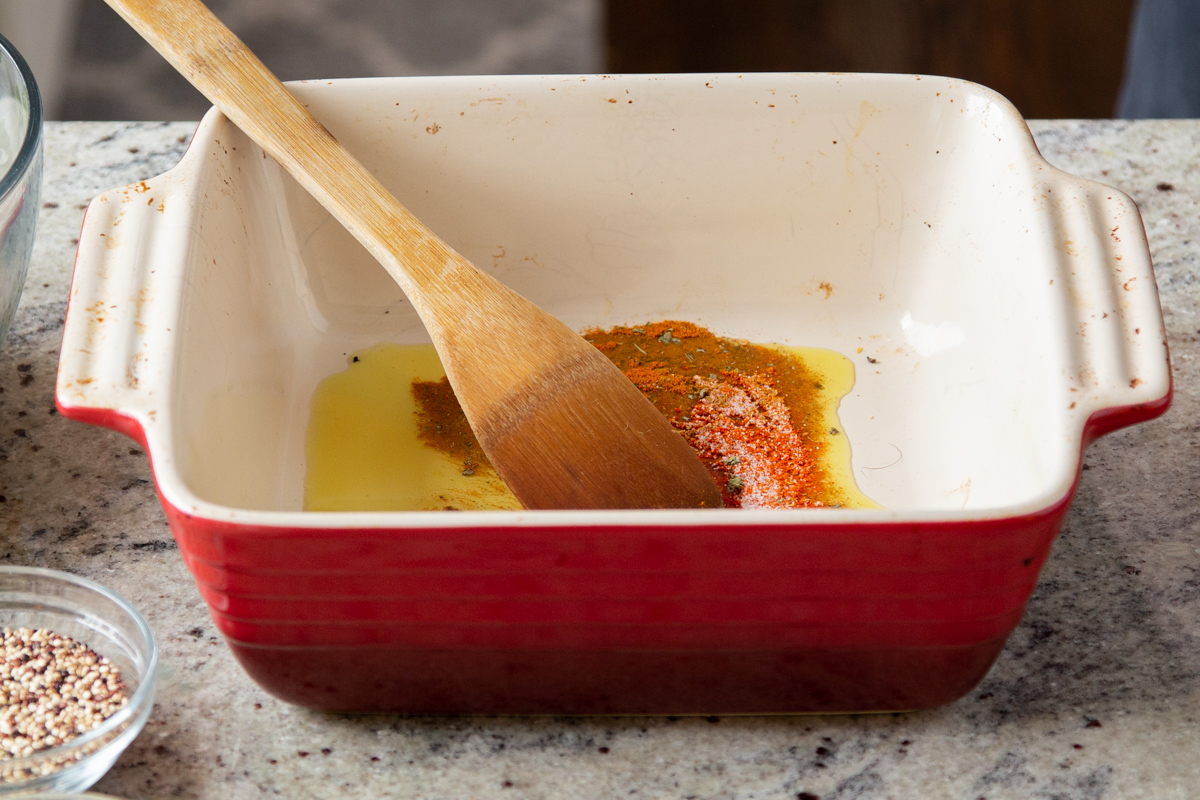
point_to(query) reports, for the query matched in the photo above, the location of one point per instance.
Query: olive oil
(837, 373)
(364, 451)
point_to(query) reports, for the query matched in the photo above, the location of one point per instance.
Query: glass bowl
(21, 168)
(107, 623)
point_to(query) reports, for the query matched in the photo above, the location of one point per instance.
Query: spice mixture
(745, 408)
(443, 426)
(52, 689)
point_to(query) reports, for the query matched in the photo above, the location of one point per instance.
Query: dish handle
(1120, 366)
(114, 363)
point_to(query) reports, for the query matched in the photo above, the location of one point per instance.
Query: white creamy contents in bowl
(14, 120)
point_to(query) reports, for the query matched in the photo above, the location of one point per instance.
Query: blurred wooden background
(1051, 58)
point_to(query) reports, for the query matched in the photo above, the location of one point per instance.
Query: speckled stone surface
(1096, 695)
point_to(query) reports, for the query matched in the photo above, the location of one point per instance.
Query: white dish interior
(1003, 302)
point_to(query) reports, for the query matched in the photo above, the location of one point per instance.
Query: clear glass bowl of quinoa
(77, 665)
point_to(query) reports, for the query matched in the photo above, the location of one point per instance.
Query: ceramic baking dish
(1000, 313)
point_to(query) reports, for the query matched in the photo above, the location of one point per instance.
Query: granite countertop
(1097, 693)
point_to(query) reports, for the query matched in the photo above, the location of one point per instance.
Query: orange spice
(442, 425)
(743, 424)
(743, 407)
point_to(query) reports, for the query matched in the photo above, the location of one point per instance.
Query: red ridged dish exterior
(618, 620)
(728, 619)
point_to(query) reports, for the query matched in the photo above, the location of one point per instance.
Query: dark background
(1051, 58)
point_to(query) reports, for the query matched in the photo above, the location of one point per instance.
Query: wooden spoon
(562, 425)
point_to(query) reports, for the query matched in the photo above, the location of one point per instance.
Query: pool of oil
(363, 449)
(364, 453)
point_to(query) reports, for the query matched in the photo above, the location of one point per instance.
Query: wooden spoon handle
(562, 425)
(220, 65)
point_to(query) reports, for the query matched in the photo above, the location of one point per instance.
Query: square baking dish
(1000, 314)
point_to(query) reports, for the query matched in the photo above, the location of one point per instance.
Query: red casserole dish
(1009, 310)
